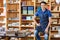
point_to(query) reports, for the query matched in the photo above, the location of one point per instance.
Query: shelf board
(25, 22)
(56, 18)
(2, 16)
(55, 37)
(26, 26)
(12, 3)
(27, 14)
(13, 11)
(56, 24)
(2, 23)
(1, 7)
(13, 27)
(26, 5)
(30, 36)
(28, 20)
(52, 36)
(55, 11)
(13, 20)
(54, 30)
(33, 36)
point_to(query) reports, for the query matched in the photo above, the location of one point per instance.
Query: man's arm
(50, 21)
(34, 19)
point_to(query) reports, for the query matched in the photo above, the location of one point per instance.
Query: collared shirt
(44, 17)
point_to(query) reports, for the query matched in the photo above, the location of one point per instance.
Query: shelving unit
(19, 14)
(13, 14)
(2, 17)
(27, 13)
(55, 9)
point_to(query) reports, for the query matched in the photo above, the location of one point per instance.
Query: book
(30, 10)
(24, 10)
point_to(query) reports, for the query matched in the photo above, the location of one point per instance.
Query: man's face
(43, 5)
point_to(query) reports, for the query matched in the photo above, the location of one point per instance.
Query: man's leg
(46, 36)
(36, 33)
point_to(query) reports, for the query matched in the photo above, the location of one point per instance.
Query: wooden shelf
(1, 12)
(2, 23)
(56, 18)
(56, 24)
(27, 5)
(2, 16)
(26, 26)
(39, 2)
(54, 30)
(13, 3)
(13, 12)
(13, 27)
(55, 37)
(27, 15)
(30, 36)
(55, 11)
(13, 20)
(28, 20)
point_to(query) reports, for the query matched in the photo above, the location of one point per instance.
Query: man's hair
(43, 2)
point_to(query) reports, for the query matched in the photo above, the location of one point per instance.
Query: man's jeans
(38, 37)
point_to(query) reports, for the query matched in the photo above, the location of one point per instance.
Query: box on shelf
(56, 35)
(13, 38)
(10, 33)
(13, 24)
(13, 29)
(23, 33)
(2, 31)
(29, 18)
(55, 22)
(55, 15)
(15, 18)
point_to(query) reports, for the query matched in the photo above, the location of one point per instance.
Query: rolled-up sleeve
(49, 14)
(37, 13)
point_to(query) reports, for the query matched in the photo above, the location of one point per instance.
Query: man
(45, 20)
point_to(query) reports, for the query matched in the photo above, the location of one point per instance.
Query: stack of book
(27, 17)
(30, 10)
(27, 9)
(24, 10)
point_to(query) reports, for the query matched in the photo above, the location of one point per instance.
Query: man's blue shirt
(44, 17)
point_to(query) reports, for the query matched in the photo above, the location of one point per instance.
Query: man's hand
(46, 30)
